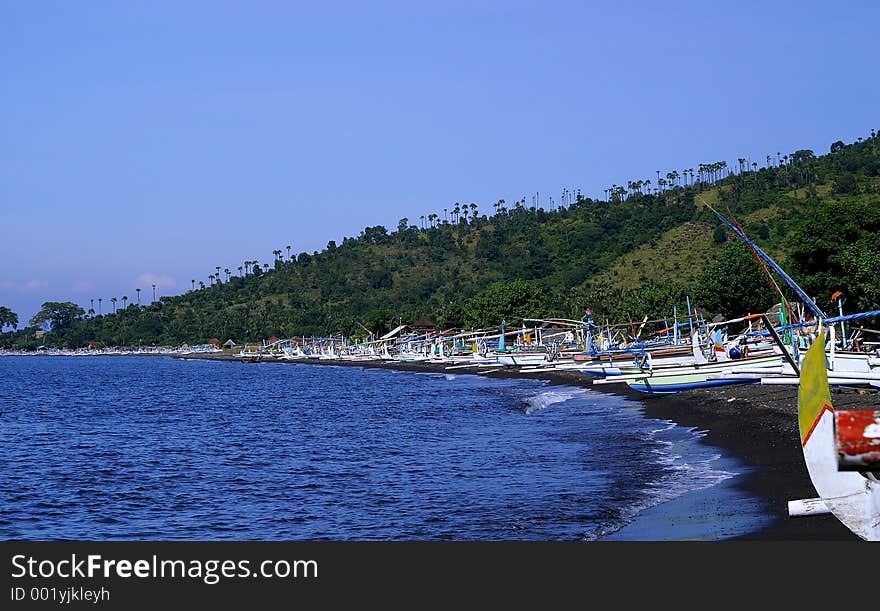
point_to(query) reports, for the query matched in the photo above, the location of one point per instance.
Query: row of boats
(691, 354)
(182, 350)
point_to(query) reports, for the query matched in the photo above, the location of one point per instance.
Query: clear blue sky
(152, 141)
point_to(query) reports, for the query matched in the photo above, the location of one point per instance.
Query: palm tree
(473, 211)
(154, 292)
(138, 291)
(113, 299)
(99, 305)
(288, 251)
(226, 271)
(124, 299)
(211, 278)
(201, 284)
(240, 268)
(217, 275)
(92, 309)
(193, 283)
(265, 267)
(277, 253)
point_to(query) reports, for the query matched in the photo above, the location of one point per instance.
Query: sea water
(156, 448)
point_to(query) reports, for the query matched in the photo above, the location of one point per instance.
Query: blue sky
(149, 142)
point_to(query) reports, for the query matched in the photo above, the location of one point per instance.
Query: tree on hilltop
(8, 318)
(59, 315)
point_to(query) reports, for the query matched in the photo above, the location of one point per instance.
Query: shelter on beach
(422, 326)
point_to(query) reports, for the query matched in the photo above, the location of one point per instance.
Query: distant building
(423, 326)
(229, 344)
(39, 333)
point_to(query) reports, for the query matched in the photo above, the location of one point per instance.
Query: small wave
(450, 376)
(682, 470)
(667, 425)
(545, 399)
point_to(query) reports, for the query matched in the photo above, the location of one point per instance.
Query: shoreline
(755, 425)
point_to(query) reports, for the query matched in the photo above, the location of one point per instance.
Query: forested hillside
(636, 252)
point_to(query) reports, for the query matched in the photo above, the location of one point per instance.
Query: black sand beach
(757, 425)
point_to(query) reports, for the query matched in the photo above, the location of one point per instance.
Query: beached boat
(672, 378)
(252, 355)
(677, 379)
(844, 369)
(850, 491)
(523, 358)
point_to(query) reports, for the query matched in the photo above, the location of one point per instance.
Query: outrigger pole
(808, 301)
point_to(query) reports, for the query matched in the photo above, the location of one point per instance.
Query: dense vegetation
(819, 215)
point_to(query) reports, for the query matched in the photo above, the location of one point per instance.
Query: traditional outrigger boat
(676, 378)
(840, 449)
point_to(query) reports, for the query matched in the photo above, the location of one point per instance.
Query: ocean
(156, 448)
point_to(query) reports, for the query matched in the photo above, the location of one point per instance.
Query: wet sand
(754, 424)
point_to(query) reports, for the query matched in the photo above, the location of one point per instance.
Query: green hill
(680, 254)
(634, 254)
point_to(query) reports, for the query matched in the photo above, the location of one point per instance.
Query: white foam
(683, 473)
(669, 425)
(545, 399)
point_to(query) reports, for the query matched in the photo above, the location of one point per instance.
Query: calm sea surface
(157, 448)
